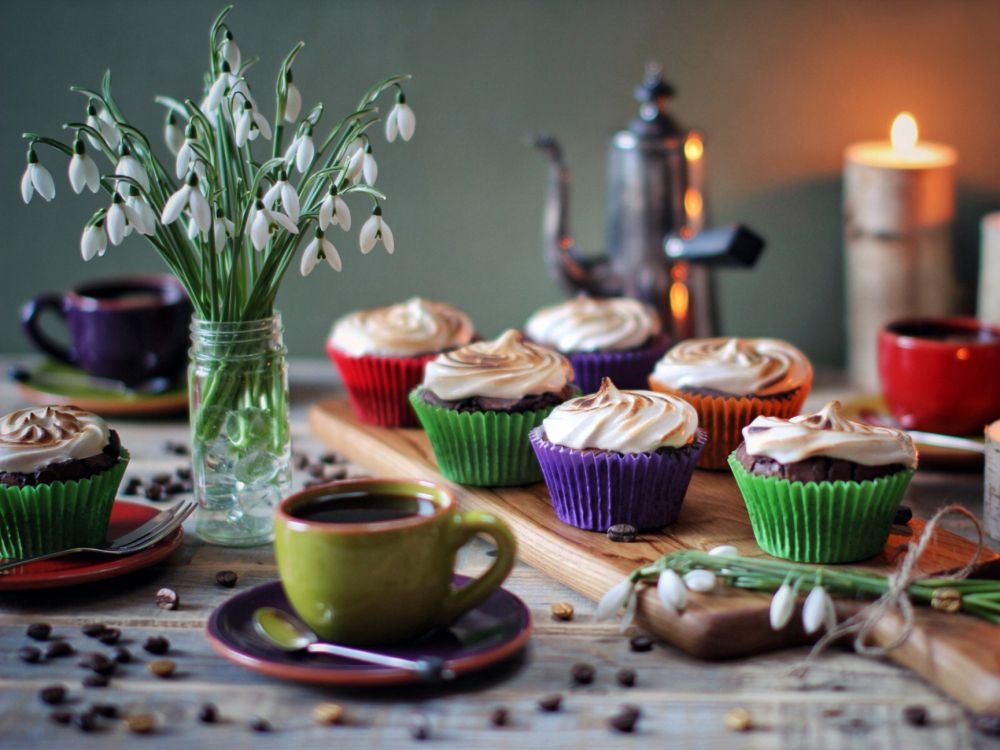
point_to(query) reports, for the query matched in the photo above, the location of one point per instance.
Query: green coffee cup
(370, 562)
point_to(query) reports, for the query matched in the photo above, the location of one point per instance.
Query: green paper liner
(58, 515)
(821, 522)
(483, 448)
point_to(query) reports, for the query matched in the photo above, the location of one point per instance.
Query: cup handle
(31, 312)
(466, 525)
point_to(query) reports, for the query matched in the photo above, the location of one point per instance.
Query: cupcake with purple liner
(618, 338)
(619, 456)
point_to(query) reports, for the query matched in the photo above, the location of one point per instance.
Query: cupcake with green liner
(60, 468)
(479, 402)
(822, 488)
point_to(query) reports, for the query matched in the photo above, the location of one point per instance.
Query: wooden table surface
(846, 701)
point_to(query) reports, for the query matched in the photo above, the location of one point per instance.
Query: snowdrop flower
(289, 198)
(129, 166)
(103, 123)
(186, 153)
(222, 229)
(293, 99)
(615, 599)
(375, 229)
(230, 52)
(362, 164)
(140, 214)
(319, 249)
(220, 87)
(265, 222)
(190, 197)
(817, 611)
(94, 241)
(172, 134)
(358, 144)
(301, 151)
(251, 124)
(671, 591)
(400, 120)
(700, 580)
(334, 210)
(724, 550)
(629, 614)
(782, 606)
(117, 221)
(83, 171)
(36, 178)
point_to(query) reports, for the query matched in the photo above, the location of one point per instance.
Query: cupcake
(617, 338)
(60, 467)
(619, 456)
(381, 354)
(730, 382)
(821, 488)
(479, 402)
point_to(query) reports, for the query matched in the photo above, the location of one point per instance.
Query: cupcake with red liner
(618, 338)
(619, 456)
(730, 382)
(381, 354)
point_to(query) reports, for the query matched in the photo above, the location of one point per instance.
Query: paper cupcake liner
(724, 417)
(627, 369)
(58, 515)
(484, 448)
(595, 490)
(821, 522)
(379, 387)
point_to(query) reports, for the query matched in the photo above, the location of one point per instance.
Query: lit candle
(899, 205)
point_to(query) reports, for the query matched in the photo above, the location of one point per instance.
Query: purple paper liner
(595, 490)
(627, 369)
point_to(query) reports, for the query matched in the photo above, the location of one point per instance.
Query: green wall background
(780, 87)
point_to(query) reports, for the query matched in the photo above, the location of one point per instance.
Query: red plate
(84, 568)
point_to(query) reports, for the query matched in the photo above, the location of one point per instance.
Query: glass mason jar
(241, 458)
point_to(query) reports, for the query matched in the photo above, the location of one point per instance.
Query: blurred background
(780, 87)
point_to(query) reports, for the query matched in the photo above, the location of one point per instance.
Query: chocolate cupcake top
(622, 421)
(735, 366)
(830, 434)
(417, 326)
(507, 367)
(33, 438)
(586, 324)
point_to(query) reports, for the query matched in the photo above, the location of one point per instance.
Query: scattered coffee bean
(336, 474)
(582, 674)
(738, 720)
(162, 667)
(177, 448)
(96, 681)
(174, 488)
(40, 631)
(153, 492)
(300, 461)
(987, 724)
(316, 471)
(133, 486)
(183, 473)
(110, 636)
(208, 713)
(626, 719)
(97, 663)
(420, 728)
(140, 723)
(85, 722)
(562, 611)
(328, 713)
(52, 694)
(162, 479)
(226, 578)
(156, 644)
(29, 654)
(625, 677)
(121, 655)
(622, 532)
(500, 716)
(641, 642)
(259, 724)
(550, 703)
(61, 717)
(94, 629)
(57, 649)
(330, 458)
(167, 599)
(903, 515)
(916, 716)
(106, 710)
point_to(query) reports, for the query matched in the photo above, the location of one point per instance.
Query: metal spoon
(948, 441)
(290, 634)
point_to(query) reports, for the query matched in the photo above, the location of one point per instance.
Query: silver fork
(154, 530)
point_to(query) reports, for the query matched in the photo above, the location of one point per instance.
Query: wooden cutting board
(958, 653)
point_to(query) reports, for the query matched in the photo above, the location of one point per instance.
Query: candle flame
(693, 203)
(694, 147)
(904, 131)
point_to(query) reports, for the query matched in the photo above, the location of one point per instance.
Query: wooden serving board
(958, 653)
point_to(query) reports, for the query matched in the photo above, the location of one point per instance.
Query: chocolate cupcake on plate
(479, 402)
(381, 354)
(618, 338)
(822, 488)
(619, 456)
(730, 382)
(60, 468)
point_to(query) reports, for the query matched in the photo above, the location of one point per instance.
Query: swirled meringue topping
(586, 324)
(830, 434)
(45, 435)
(736, 366)
(417, 326)
(622, 421)
(507, 367)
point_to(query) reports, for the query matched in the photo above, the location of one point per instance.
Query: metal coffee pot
(659, 250)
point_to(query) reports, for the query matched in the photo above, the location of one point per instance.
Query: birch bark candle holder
(991, 485)
(988, 308)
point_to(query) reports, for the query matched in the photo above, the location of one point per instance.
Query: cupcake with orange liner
(381, 354)
(730, 382)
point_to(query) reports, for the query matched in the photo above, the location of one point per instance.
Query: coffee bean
(183, 473)
(106, 710)
(53, 694)
(582, 674)
(97, 663)
(133, 486)
(61, 717)
(420, 728)
(641, 642)
(208, 713)
(625, 720)
(500, 716)
(162, 479)
(40, 631)
(562, 611)
(154, 492)
(167, 599)
(110, 636)
(93, 630)
(328, 713)
(140, 723)
(903, 515)
(29, 654)
(85, 722)
(177, 448)
(96, 681)
(57, 649)
(626, 677)
(156, 644)
(162, 667)
(622, 532)
(300, 460)
(175, 488)
(226, 578)
(316, 471)
(121, 655)
(550, 703)
(259, 724)
(336, 474)
(330, 458)
(988, 724)
(738, 720)
(916, 716)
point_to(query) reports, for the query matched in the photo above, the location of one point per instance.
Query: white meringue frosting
(417, 326)
(506, 367)
(588, 324)
(45, 435)
(830, 434)
(736, 366)
(622, 421)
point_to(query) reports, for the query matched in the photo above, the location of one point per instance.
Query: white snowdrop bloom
(140, 214)
(782, 606)
(172, 134)
(221, 86)
(221, 230)
(301, 151)
(699, 580)
(400, 120)
(289, 198)
(293, 100)
(614, 599)
(362, 164)
(629, 612)
(334, 210)
(817, 611)
(724, 550)
(94, 241)
(129, 166)
(186, 153)
(230, 52)
(319, 249)
(250, 124)
(671, 590)
(38, 179)
(83, 171)
(117, 221)
(358, 144)
(375, 229)
(265, 222)
(103, 123)
(188, 196)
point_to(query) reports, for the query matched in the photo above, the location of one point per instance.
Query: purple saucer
(496, 629)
